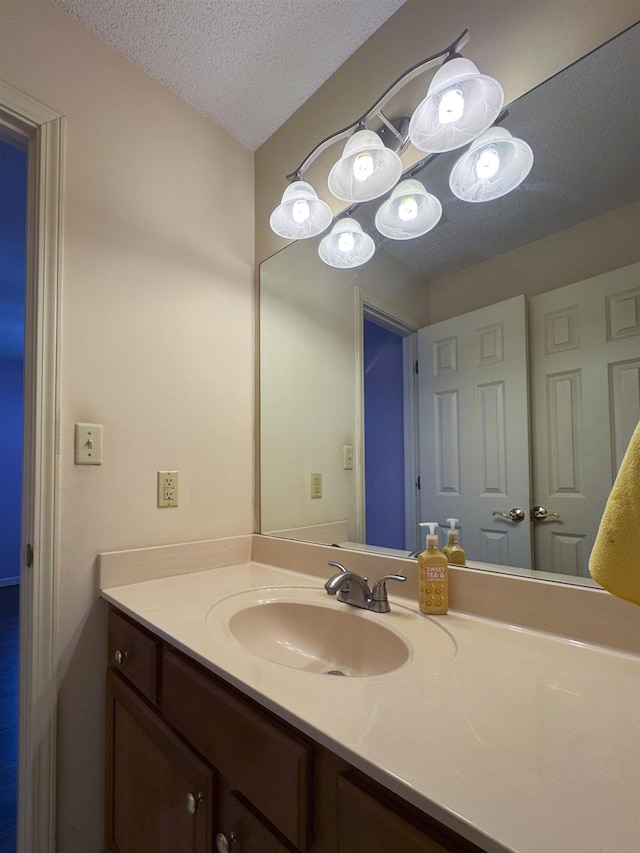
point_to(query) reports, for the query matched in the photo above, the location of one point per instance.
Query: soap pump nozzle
(452, 533)
(432, 536)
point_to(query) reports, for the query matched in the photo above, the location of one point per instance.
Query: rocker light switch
(88, 444)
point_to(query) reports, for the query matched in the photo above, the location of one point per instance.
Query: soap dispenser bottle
(453, 550)
(433, 575)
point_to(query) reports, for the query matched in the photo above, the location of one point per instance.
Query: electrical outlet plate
(347, 457)
(167, 488)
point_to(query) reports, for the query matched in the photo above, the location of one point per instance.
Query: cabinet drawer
(263, 760)
(134, 653)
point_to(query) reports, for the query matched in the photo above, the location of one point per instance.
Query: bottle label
(434, 573)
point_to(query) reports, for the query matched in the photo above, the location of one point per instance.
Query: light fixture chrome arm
(376, 109)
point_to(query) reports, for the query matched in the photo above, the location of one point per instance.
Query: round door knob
(120, 656)
(224, 842)
(193, 800)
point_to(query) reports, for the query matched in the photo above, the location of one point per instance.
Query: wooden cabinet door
(160, 795)
(244, 832)
(368, 823)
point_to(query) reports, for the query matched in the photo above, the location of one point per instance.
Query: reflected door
(474, 435)
(585, 385)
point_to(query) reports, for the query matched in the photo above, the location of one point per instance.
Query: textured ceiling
(247, 64)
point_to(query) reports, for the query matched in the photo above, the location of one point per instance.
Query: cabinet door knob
(224, 843)
(120, 656)
(193, 800)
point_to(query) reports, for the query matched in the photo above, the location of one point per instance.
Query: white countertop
(521, 741)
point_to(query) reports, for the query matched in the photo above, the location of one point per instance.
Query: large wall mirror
(523, 315)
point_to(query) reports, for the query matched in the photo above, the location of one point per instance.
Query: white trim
(44, 131)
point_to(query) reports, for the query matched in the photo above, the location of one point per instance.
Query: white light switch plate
(88, 444)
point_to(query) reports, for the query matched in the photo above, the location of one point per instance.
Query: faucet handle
(337, 565)
(380, 588)
(379, 593)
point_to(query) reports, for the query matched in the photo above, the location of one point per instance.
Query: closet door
(585, 385)
(474, 430)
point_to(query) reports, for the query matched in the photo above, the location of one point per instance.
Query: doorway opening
(13, 223)
(383, 436)
(38, 131)
(389, 427)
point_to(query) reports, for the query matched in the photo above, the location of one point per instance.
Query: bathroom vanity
(191, 761)
(483, 737)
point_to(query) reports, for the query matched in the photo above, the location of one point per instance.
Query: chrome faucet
(353, 589)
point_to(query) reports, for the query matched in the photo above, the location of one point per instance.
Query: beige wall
(520, 42)
(157, 343)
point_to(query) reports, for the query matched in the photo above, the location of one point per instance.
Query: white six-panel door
(585, 385)
(474, 429)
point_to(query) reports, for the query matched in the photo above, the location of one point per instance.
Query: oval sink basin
(319, 639)
(303, 628)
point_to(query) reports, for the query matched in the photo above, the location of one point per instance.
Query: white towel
(615, 559)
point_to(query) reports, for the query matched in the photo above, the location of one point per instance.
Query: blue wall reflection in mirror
(384, 436)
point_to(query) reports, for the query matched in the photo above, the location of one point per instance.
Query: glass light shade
(346, 245)
(366, 170)
(460, 104)
(495, 164)
(301, 213)
(409, 212)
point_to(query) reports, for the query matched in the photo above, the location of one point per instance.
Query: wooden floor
(8, 716)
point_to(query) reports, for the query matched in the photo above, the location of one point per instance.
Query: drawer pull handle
(224, 843)
(120, 657)
(193, 801)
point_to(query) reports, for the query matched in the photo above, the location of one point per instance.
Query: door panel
(585, 385)
(474, 437)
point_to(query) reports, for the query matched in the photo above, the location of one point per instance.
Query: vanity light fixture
(460, 106)
(369, 165)
(366, 170)
(346, 245)
(409, 212)
(301, 213)
(495, 164)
